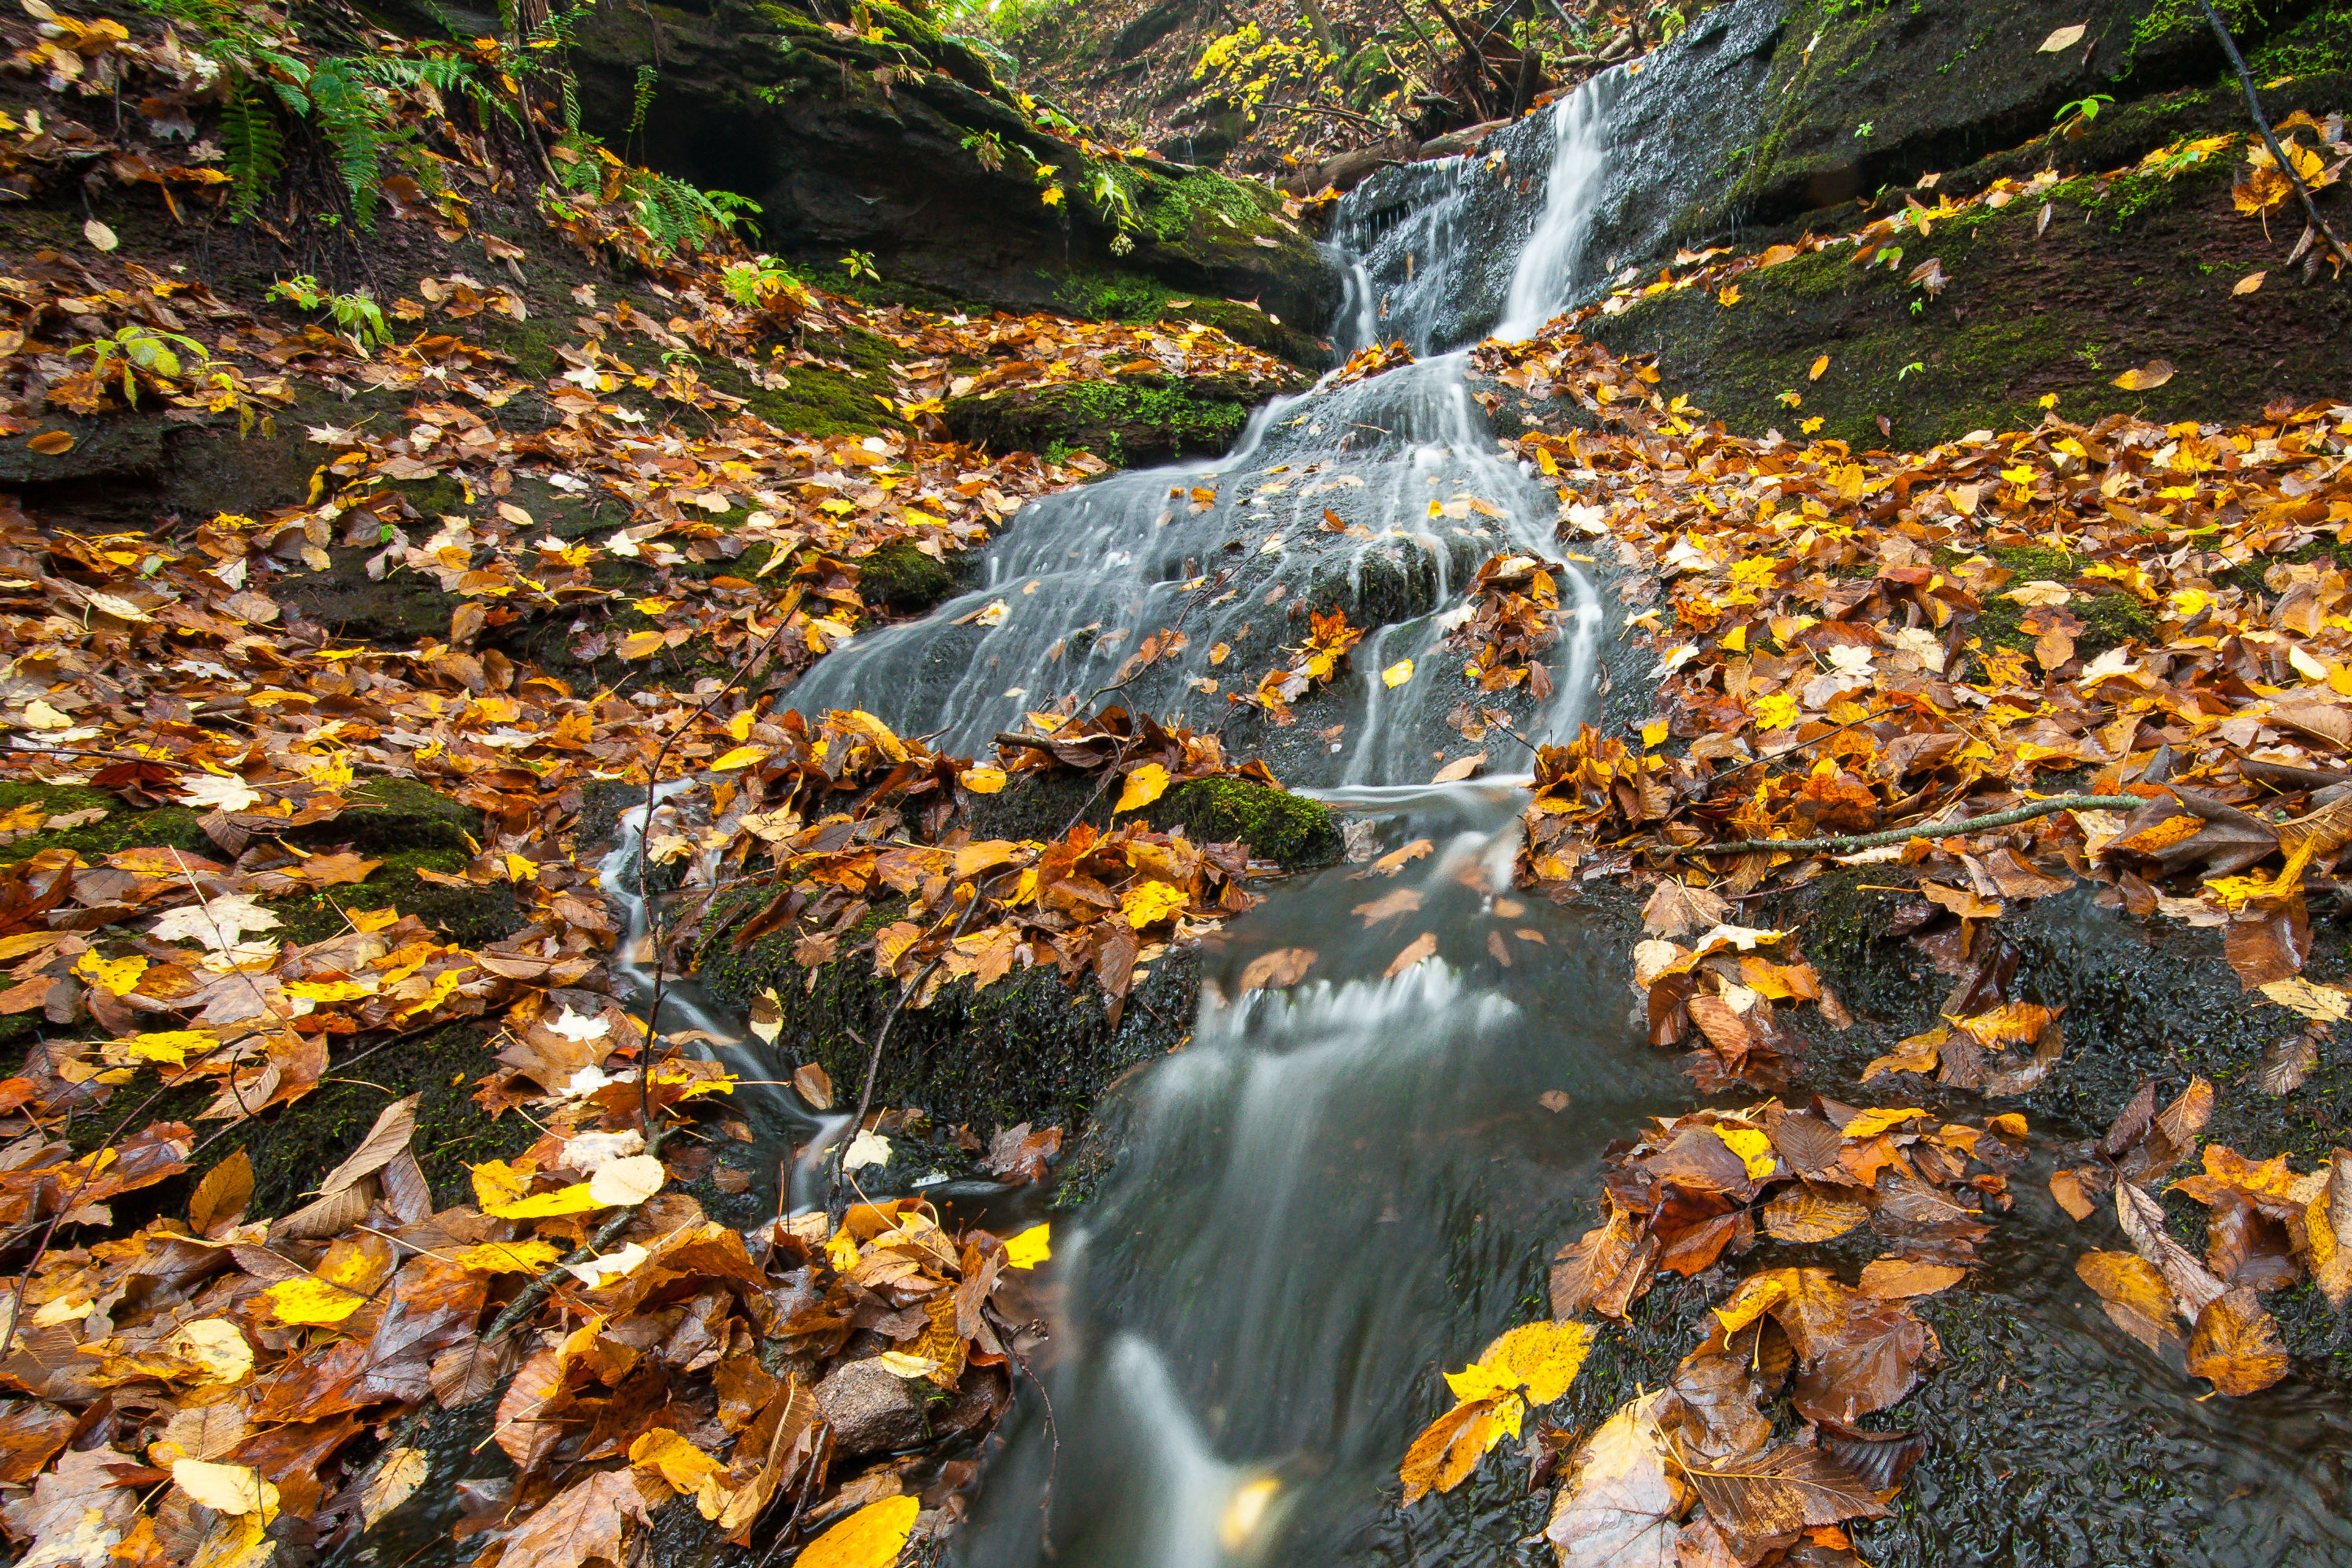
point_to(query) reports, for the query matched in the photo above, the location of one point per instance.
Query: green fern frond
(356, 123)
(256, 150)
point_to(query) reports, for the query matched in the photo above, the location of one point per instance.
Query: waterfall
(1329, 1195)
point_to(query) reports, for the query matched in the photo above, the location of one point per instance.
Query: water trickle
(1333, 1193)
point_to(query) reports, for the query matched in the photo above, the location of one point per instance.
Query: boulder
(906, 148)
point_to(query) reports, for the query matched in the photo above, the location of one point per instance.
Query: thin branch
(2269, 137)
(1924, 830)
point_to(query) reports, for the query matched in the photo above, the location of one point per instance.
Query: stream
(1334, 1193)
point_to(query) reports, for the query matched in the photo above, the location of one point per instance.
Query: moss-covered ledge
(1132, 421)
(2125, 272)
(1029, 1047)
(1280, 825)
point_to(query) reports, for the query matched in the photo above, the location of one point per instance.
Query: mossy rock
(291, 1146)
(900, 579)
(1140, 420)
(1029, 1047)
(2110, 616)
(1280, 825)
(2124, 274)
(1116, 293)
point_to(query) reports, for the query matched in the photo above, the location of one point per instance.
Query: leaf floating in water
(1419, 950)
(1030, 1247)
(1285, 967)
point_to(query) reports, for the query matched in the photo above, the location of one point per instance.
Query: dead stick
(1924, 830)
(2269, 137)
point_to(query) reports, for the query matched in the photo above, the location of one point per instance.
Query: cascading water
(1330, 1193)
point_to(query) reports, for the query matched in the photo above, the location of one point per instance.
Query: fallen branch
(1924, 830)
(2269, 137)
(523, 1306)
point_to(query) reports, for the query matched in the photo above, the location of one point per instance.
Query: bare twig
(2269, 137)
(1844, 846)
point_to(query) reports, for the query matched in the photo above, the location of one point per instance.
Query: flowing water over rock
(1332, 1194)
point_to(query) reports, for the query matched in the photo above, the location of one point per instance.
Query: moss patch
(1275, 824)
(1138, 420)
(2121, 275)
(900, 579)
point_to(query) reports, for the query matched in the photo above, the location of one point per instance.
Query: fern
(640, 100)
(256, 152)
(356, 123)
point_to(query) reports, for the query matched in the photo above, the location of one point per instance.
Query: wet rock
(1133, 420)
(869, 1409)
(908, 150)
(873, 1410)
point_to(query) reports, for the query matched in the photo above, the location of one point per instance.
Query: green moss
(124, 827)
(2029, 312)
(1275, 824)
(901, 579)
(1128, 421)
(468, 915)
(291, 1146)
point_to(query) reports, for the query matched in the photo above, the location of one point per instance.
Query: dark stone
(764, 100)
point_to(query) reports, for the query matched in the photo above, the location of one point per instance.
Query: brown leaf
(814, 1085)
(1285, 967)
(581, 1523)
(1619, 1504)
(1898, 1277)
(1872, 1363)
(2142, 1218)
(394, 1127)
(1807, 1213)
(528, 1429)
(1676, 908)
(1447, 1450)
(220, 1198)
(2266, 945)
(2186, 1117)
(1712, 1414)
(2236, 1345)
(30, 1435)
(1781, 1490)
(467, 1371)
(1807, 1141)
(1420, 948)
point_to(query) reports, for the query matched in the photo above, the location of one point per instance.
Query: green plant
(2074, 119)
(351, 101)
(1904, 372)
(355, 314)
(134, 350)
(1864, 132)
(860, 264)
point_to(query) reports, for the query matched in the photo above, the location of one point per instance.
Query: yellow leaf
(1448, 1450)
(332, 990)
(310, 1300)
(983, 781)
(573, 1199)
(2250, 282)
(1144, 785)
(1148, 902)
(1730, 296)
(170, 1046)
(1871, 1124)
(496, 1182)
(1397, 673)
(230, 1488)
(2064, 38)
(673, 1458)
(400, 1473)
(1653, 734)
(508, 1257)
(2012, 1125)
(1031, 1247)
(741, 757)
(1541, 1359)
(117, 976)
(875, 1535)
(643, 645)
(1820, 365)
(1753, 1147)
(2146, 378)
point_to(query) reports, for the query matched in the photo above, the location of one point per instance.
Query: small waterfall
(1330, 1193)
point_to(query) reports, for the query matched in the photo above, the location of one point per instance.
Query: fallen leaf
(2147, 377)
(2065, 38)
(870, 1537)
